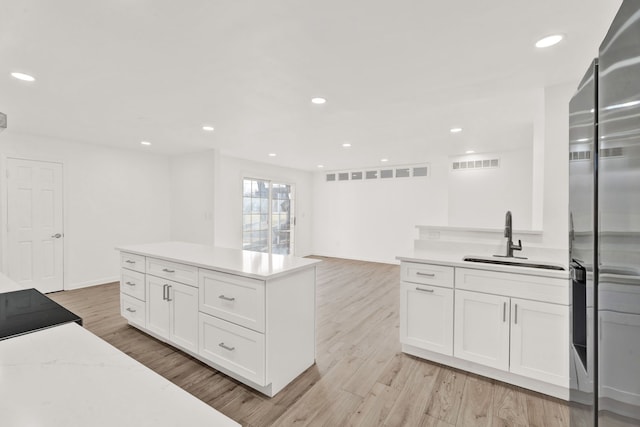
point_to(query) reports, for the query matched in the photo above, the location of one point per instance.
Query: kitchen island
(250, 315)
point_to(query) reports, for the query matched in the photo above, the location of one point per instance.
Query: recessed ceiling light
(549, 41)
(208, 128)
(318, 100)
(455, 130)
(24, 77)
(346, 145)
(145, 143)
(384, 160)
(272, 154)
(469, 151)
(320, 166)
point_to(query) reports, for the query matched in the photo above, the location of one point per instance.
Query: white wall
(192, 197)
(556, 166)
(375, 220)
(480, 197)
(228, 200)
(111, 197)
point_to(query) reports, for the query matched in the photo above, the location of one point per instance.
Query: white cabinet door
(540, 341)
(157, 306)
(482, 329)
(184, 315)
(426, 319)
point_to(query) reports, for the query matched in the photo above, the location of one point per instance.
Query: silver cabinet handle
(424, 290)
(418, 273)
(226, 298)
(130, 283)
(166, 270)
(504, 312)
(129, 261)
(56, 236)
(164, 292)
(515, 317)
(168, 294)
(131, 310)
(225, 347)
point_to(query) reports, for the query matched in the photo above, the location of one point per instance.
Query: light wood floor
(361, 378)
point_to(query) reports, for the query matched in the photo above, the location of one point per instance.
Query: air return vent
(476, 164)
(611, 152)
(579, 155)
(389, 172)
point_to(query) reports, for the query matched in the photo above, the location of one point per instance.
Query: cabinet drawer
(133, 310)
(428, 274)
(537, 288)
(233, 347)
(182, 273)
(132, 284)
(233, 298)
(132, 262)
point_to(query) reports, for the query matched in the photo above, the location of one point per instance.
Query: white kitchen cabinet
(482, 328)
(233, 347)
(506, 325)
(528, 338)
(247, 314)
(540, 340)
(172, 311)
(426, 319)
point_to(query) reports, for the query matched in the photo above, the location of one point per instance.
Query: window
(267, 216)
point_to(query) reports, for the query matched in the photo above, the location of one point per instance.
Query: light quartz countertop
(66, 376)
(455, 259)
(245, 263)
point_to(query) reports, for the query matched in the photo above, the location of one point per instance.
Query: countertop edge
(554, 274)
(306, 263)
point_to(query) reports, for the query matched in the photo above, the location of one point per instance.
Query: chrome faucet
(508, 233)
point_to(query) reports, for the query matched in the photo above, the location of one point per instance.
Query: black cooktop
(28, 310)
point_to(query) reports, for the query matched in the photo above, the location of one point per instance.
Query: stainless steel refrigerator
(604, 205)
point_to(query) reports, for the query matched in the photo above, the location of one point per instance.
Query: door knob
(56, 236)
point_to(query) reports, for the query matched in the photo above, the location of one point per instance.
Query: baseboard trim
(88, 283)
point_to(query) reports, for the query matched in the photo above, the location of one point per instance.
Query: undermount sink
(516, 262)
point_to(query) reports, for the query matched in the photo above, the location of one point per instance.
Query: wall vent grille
(579, 155)
(368, 174)
(611, 152)
(476, 164)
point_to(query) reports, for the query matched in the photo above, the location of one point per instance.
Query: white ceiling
(397, 74)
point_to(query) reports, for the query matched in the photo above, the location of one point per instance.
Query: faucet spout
(508, 233)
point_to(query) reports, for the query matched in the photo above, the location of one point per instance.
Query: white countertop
(66, 376)
(455, 259)
(245, 263)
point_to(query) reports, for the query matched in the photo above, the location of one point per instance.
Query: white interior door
(35, 224)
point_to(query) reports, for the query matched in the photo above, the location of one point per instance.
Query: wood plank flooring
(361, 378)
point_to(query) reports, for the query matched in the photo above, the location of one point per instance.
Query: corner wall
(111, 197)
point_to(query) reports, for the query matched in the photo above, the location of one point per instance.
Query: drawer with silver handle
(132, 284)
(233, 298)
(428, 274)
(133, 310)
(183, 273)
(230, 346)
(132, 262)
